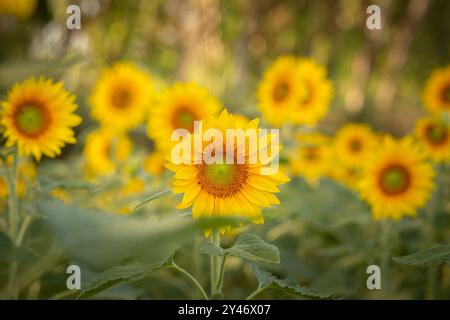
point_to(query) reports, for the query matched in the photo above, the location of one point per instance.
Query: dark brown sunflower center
(311, 153)
(184, 118)
(32, 119)
(446, 93)
(122, 98)
(437, 134)
(222, 180)
(394, 179)
(355, 145)
(280, 91)
(309, 95)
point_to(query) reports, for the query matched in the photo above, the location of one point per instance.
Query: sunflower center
(446, 94)
(395, 179)
(121, 98)
(222, 180)
(280, 91)
(184, 118)
(311, 153)
(436, 134)
(355, 145)
(30, 119)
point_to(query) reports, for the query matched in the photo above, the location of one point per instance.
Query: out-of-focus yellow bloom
(396, 179)
(177, 108)
(61, 194)
(314, 105)
(105, 151)
(21, 9)
(312, 158)
(154, 163)
(38, 116)
(122, 97)
(26, 175)
(347, 175)
(434, 135)
(436, 95)
(230, 188)
(280, 91)
(353, 143)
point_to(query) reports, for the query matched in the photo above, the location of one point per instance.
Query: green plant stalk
(187, 274)
(255, 293)
(215, 265)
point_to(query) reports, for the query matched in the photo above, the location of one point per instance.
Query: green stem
(187, 274)
(219, 284)
(255, 293)
(385, 257)
(12, 199)
(215, 265)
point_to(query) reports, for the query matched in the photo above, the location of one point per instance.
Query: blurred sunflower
(227, 189)
(280, 90)
(104, 151)
(122, 96)
(434, 135)
(314, 105)
(312, 157)
(26, 175)
(436, 95)
(349, 176)
(38, 116)
(154, 163)
(396, 179)
(178, 107)
(21, 9)
(353, 143)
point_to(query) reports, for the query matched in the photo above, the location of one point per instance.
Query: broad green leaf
(104, 240)
(211, 249)
(6, 248)
(251, 247)
(119, 274)
(427, 257)
(151, 198)
(269, 281)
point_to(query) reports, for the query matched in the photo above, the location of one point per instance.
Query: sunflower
(436, 95)
(122, 96)
(38, 116)
(347, 175)
(312, 157)
(105, 151)
(21, 9)
(177, 108)
(280, 90)
(434, 135)
(314, 105)
(396, 179)
(353, 143)
(154, 163)
(231, 188)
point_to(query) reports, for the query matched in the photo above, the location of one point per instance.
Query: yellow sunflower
(21, 9)
(105, 151)
(122, 96)
(312, 158)
(434, 135)
(347, 175)
(353, 143)
(154, 163)
(178, 107)
(314, 105)
(436, 95)
(38, 116)
(396, 179)
(236, 187)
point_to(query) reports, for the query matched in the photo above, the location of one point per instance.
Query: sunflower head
(396, 179)
(38, 116)
(434, 135)
(122, 96)
(436, 95)
(312, 157)
(177, 108)
(280, 90)
(353, 143)
(233, 187)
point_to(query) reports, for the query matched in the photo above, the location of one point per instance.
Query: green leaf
(211, 249)
(6, 248)
(269, 281)
(103, 240)
(427, 257)
(151, 198)
(120, 274)
(251, 247)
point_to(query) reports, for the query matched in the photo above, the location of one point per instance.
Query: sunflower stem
(216, 291)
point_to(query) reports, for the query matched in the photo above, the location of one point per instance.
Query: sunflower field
(110, 118)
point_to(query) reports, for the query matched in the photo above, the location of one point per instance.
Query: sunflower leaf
(211, 249)
(119, 274)
(269, 281)
(251, 247)
(150, 198)
(427, 257)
